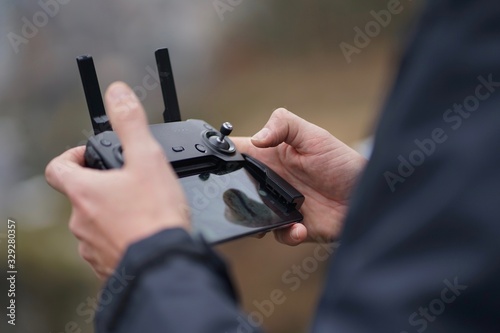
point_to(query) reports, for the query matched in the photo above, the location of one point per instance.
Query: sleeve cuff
(149, 253)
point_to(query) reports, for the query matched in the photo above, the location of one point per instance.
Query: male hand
(320, 166)
(115, 208)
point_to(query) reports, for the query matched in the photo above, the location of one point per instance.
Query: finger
(103, 273)
(244, 145)
(63, 170)
(293, 235)
(283, 126)
(74, 225)
(259, 235)
(130, 123)
(99, 273)
(86, 253)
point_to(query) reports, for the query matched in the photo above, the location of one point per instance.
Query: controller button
(178, 149)
(201, 148)
(117, 151)
(106, 143)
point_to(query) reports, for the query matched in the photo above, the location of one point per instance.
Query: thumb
(283, 126)
(130, 123)
(293, 235)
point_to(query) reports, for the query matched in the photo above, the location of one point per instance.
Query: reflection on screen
(244, 211)
(230, 205)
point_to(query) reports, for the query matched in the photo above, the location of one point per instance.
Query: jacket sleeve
(420, 249)
(170, 282)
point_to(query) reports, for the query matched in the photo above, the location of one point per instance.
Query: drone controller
(231, 195)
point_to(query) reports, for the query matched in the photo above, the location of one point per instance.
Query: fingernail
(121, 98)
(261, 135)
(295, 234)
(119, 91)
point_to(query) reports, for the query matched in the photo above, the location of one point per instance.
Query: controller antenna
(100, 121)
(172, 111)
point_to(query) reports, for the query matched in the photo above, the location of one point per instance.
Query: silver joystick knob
(225, 130)
(218, 140)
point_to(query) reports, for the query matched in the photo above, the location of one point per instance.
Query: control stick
(225, 130)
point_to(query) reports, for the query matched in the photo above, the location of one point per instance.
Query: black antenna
(100, 121)
(172, 111)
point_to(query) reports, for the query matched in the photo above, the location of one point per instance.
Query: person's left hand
(115, 208)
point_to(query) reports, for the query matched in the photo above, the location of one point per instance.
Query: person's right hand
(317, 164)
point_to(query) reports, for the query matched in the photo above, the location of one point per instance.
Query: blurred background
(233, 61)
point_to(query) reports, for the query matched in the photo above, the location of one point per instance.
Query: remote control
(231, 194)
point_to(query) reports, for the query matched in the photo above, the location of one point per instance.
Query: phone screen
(232, 205)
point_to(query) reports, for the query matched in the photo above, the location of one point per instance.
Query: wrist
(144, 232)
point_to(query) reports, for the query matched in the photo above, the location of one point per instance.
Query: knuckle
(282, 119)
(49, 172)
(73, 226)
(156, 152)
(53, 170)
(79, 224)
(84, 252)
(281, 113)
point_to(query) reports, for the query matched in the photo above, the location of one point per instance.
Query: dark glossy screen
(232, 205)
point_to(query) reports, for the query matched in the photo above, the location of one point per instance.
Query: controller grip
(286, 193)
(92, 158)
